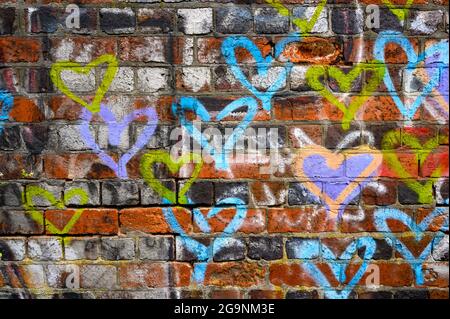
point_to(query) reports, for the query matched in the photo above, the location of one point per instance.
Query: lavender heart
(115, 131)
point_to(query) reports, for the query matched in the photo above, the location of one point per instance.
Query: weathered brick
(12, 249)
(228, 190)
(120, 193)
(234, 20)
(155, 20)
(195, 21)
(7, 20)
(45, 248)
(234, 249)
(117, 21)
(302, 248)
(267, 248)
(81, 248)
(425, 22)
(117, 248)
(156, 248)
(98, 276)
(268, 20)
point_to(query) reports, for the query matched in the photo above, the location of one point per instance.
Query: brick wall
(323, 171)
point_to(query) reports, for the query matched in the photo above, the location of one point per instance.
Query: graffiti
(203, 253)
(381, 221)
(61, 66)
(401, 12)
(115, 132)
(304, 25)
(409, 108)
(73, 19)
(7, 102)
(351, 171)
(192, 104)
(263, 65)
(345, 83)
(338, 266)
(393, 139)
(35, 191)
(174, 166)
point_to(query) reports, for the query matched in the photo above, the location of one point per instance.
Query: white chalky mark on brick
(188, 51)
(196, 78)
(152, 51)
(64, 50)
(264, 82)
(78, 82)
(152, 79)
(197, 21)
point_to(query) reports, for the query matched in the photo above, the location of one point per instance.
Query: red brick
(268, 193)
(395, 274)
(243, 274)
(265, 294)
(436, 275)
(313, 50)
(181, 274)
(14, 165)
(26, 111)
(152, 220)
(91, 221)
(282, 220)
(226, 294)
(314, 132)
(13, 50)
(254, 222)
(143, 275)
(379, 108)
(291, 275)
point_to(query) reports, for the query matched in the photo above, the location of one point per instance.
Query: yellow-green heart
(401, 13)
(35, 191)
(393, 139)
(59, 67)
(304, 25)
(345, 81)
(146, 168)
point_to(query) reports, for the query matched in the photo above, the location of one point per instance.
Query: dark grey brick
(7, 19)
(117, 21)
(227, 190)
(35, 137)
(268, 248)
(184, 254)
(383, 250)
(92, 189)
(335, 134)
(44, 20)
(411, 294)
(268, 20)
(298, 294)
(11, 194)
(299, 195)
(407, 195)
(347, 20)
(375, 295)
(200, 193)
(233, 20)
(388, 21)
(10, 138)
(156, 248)
(120, 193)
(117, 248)
(234, 249)
(150, 197)
(38, 80)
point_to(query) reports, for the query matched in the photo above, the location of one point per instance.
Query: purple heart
(115, 131)
(318, 171)
(438, 62)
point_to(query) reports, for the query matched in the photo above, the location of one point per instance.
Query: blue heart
(202, 252)
(7, 102)
(413, 61)
(229, 47)
(338, 267)
(192, 104)
(381, 217)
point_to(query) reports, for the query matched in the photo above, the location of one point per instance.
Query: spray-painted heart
(263, 65)
(401, 13)
(59, 67)
(6, 102)
(440, 59)
(204, 253)
(174, 166)
(392, 140)
(345, 82)
(192, 104)
(339, 265)
(382, 215)
(35, 191)
(408, 109)
(304, 25)
(351, 169)
(115, 131)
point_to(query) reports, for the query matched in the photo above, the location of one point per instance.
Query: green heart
(304, 25)
(174, 166)
(400, 13)
(35, 191)
(94, 107)
(395, 138)
(345, 82)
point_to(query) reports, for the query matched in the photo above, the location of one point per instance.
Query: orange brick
(143, 275)
(242, 274)
(305, 219)
(14, 49)
(152, 220)
(26, 110)
(91, 221)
